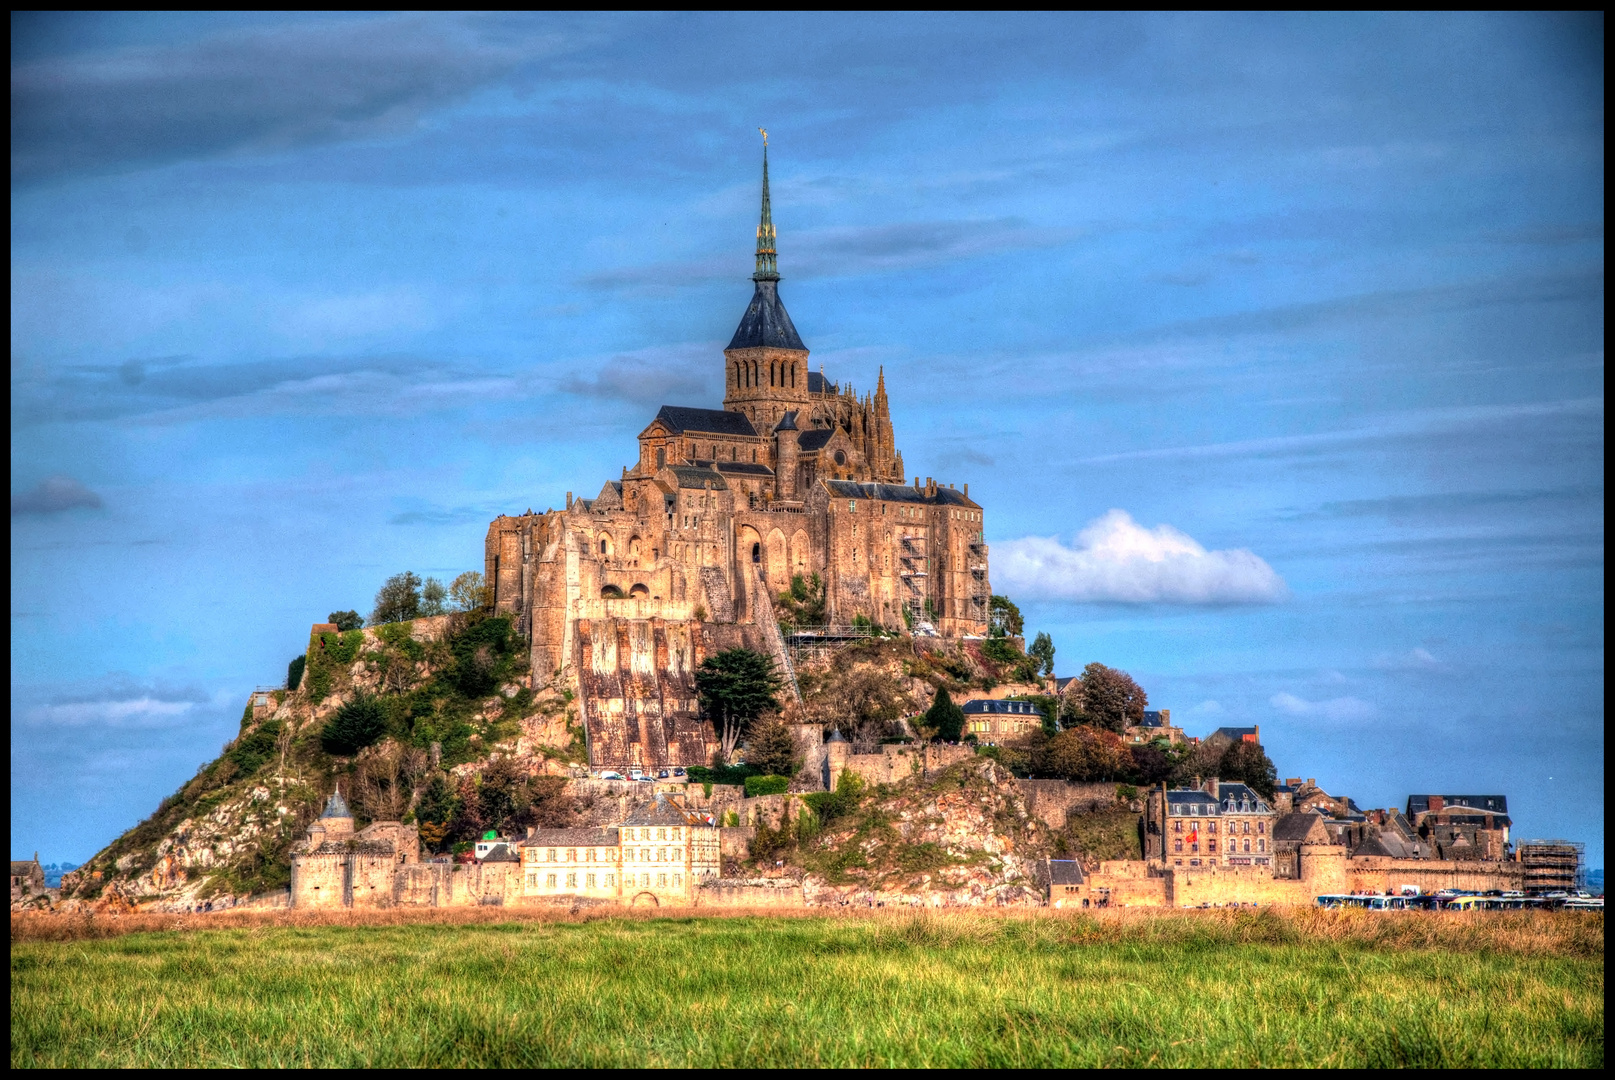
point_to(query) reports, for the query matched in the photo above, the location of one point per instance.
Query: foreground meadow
(1312, 988)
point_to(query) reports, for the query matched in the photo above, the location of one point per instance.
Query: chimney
(569, 500)
(916, 483)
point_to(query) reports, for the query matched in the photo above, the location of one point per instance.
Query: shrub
(251, 750)
(1001, 651)
(481, 653)
(356, 725)
(766, 785)
(771, 749)
(346, 620)
(733, 775)
(294, 672)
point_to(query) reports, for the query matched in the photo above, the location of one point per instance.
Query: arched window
(609, 592)
(639, 592)
(661, 456)
(605, 548)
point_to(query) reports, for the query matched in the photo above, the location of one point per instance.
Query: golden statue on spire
(765, 135)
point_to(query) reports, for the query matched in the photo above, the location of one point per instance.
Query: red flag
(1194, 832)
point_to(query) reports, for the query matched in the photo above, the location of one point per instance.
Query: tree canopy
(735, 687)
(434, 597)
(1110, 698)
(1042, 651)
(398, 599)
(1249, 764)
(469, 591)
(1004, 618)
(1087, 753)
(771, 747)
(356, 725)
(944, 717)
(346, 620)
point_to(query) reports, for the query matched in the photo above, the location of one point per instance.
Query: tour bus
(1367, 903)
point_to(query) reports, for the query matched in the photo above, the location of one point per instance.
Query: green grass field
(898, 990)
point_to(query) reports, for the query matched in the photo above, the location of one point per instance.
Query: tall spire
(767, 266)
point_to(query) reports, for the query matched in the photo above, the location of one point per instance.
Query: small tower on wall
(765, 365)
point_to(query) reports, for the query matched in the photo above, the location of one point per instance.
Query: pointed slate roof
(766, 323)
(336, 806)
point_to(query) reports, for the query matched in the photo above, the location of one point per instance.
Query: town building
(1462, 827)
(990, 720)
(1223, 824)
(1157, 724)
(621, 596)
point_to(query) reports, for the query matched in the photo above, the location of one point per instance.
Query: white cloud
(1341, 708)
(1413, 660)
(1116, 560)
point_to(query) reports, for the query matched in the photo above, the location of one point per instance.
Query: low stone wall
(1224, 886)
(899, 762)
(759, 892)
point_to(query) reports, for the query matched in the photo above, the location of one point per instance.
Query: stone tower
(765, 365)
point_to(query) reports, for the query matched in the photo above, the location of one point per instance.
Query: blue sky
(1314, 302)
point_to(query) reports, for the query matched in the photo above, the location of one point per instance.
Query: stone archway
(779, 573)
(645, 899)
(748, 543)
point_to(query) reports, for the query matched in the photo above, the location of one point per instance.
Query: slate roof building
(990, 719)
(619, 597)
(1223, 824)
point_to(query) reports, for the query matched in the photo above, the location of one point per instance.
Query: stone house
(991, 720)
(1221, 824)
(27, 878)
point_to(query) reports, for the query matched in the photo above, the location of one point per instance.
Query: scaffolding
(1552, 865)
(819, 642)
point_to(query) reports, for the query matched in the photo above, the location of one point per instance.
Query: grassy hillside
(387, 712)
(1228, 989)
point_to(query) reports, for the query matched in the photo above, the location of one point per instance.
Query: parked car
(663, 775)
(610, 775)
(678, 772)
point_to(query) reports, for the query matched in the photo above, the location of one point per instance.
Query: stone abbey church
(621, 597)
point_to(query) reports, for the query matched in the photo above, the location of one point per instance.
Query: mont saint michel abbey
(621, 596)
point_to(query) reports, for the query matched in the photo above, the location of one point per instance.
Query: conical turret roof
(336, 806)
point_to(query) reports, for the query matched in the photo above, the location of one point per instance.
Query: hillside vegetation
(420, 721)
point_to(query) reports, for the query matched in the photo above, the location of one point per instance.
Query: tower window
(757, 553)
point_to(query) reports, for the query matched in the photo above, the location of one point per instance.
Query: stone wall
(1381, 875)
(899, 762)
(767, 892)
(1052, 801)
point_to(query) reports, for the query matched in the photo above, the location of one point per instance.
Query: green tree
(944, 717)
(1004, 618)
(434, 597)
(398, 599)
(1111, 698)
(346, 620)
(481, 655)
(469, 591)
(771, 747)
(1042, 651)
(1248, 763)
(294, 672)
(356, 725)
(735, 687)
